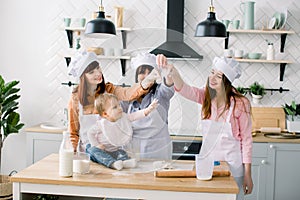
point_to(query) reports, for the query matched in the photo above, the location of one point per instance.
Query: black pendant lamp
(211, 27)
(100, 27)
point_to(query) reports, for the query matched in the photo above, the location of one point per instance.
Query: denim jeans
(104, 157)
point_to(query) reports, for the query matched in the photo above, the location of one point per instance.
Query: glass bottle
(270, 51)
(66, 156)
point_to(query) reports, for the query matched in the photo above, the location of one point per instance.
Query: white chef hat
(80, 62)
(143, 59)
(229, 66)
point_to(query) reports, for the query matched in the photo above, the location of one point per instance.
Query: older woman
(151, 138)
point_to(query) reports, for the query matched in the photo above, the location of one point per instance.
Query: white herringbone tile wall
(148, 20)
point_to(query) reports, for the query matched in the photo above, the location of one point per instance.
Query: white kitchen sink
(52, 126)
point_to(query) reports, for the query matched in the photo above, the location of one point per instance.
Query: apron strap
(80, 108)
(230, 112)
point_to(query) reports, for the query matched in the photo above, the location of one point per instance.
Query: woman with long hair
(82, 113)
(226, 118)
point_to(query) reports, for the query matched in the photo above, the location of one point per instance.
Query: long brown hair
(209, 94)
(82, 87)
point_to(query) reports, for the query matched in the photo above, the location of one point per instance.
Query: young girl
(85, 66)
(224, 111)
(112, 132)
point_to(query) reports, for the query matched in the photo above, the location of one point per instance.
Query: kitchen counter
(259, 138)
(37, 128)
(42, 177)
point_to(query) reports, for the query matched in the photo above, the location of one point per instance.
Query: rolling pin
(185, 173)
(268, 130)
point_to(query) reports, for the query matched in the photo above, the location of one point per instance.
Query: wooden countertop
(259, 138)
(45, 171)
(37, 128)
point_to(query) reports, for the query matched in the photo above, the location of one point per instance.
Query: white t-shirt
(113, 135)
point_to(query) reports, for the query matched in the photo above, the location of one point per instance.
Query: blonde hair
(101, 102)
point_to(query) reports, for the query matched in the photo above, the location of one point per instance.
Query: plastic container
(270, 51)
(66, 154)
(204, 167)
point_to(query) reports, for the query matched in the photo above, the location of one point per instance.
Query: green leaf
(8, 111)
(12, 124)
(10, 99)
(9, 118)
(8, 86)
(8, 107)
(10, 92)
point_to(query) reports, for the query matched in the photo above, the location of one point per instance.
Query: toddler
(112, 132)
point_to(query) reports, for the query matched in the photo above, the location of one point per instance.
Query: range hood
(174, 47)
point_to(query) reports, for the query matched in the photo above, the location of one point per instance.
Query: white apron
(85, 123)
(219, 141)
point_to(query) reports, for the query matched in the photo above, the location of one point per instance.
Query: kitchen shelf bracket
(227, 40)
(282, 42)
(70, 37)
(123, 66)
(282, 69)
(68, 60)
(124, 38)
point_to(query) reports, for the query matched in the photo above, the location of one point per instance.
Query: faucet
(66, 118)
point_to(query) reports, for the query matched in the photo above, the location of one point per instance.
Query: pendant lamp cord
(211, 2)
(101, 3)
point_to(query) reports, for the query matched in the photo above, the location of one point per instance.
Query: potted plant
(9, 120)
(292, 112)
(257, 92)
(242, 90)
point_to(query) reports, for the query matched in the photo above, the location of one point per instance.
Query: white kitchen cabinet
(283, 171)
(259, 171)
(41, 144)
(275, 171)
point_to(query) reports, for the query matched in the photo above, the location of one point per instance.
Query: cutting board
(268, 117)
(219, 170)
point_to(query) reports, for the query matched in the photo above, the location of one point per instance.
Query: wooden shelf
(83, 28)
(264, 31)
(283, 34)
(75, 28)
(282, 63)
(263, 61)
(114, 57)
(123, 30)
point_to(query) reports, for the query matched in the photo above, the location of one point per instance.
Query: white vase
(256, 98)
(293, 126)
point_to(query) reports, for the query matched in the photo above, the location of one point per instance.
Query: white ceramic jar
(270, 52)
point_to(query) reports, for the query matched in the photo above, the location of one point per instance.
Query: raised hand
(151, 107)
(150, 79)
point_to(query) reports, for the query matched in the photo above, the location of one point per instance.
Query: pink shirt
(240, 120)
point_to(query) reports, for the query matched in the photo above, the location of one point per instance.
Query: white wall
(33, 44)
